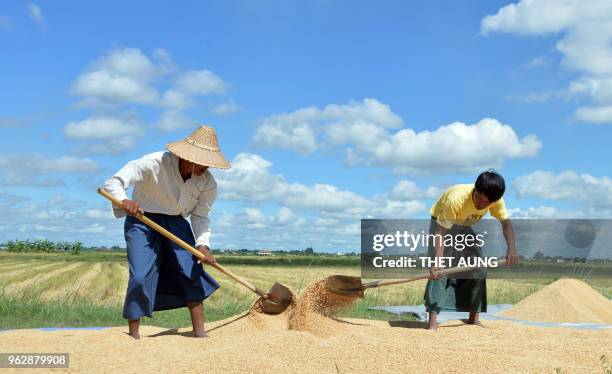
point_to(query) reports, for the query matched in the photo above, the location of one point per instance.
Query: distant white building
(265, 252)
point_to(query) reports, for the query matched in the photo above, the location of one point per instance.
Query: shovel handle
(388, 282)
(182, 243)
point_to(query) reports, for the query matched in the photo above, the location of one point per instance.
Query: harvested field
(566, 300)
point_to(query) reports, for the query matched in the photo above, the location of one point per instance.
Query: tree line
(44, 245)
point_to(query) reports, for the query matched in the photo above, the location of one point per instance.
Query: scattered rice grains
(310, 312)
(565, 300)
(313, 310)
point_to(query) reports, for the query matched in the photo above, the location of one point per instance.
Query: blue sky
(331, 111)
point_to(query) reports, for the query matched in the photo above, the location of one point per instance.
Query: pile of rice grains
(311, 311)
(566, 300)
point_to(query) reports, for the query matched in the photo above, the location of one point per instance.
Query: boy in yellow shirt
(454, 213)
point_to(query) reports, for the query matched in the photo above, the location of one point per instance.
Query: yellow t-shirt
(455, 206)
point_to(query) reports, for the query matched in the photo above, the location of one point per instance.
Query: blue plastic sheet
(63, 329)
(492, 314)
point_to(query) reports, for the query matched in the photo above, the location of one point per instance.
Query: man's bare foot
(432, 327)
(200, 334)
(134, 327)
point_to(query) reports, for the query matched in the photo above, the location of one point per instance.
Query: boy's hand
(512, 257)
(434, 273)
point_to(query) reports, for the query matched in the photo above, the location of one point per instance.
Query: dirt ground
(259, 343)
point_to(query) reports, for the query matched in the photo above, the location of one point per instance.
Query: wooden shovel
(354, 287)
(274, 301)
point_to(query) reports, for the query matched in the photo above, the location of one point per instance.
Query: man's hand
(434, 273)
(131, 207)
(511, 257)
(208, 257)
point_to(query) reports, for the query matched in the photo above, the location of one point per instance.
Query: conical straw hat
(200, 147)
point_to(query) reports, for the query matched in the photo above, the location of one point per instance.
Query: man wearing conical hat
(168, 186)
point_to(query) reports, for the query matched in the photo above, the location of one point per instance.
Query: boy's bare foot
(476, 323)
(134, 335)
(474, 319)
(432, 321)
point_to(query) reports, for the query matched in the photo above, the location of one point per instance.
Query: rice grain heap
(565, 300)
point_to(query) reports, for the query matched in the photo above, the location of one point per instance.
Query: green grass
(29, 311)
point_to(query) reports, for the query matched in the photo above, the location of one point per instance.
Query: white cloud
(256, 218)
(592, 192)
(64, 164)
(101, 128)
(542, 212)
(165, 63)
(8, 122)
(44, 164)
(110, 146)
(104, 135)
(60, 219)
(602, 114)
(41, 170)
(408, 190)
(175, 120)
(36, 13)
(297, 130)
(538, 62)
(5, 22)
(585, 41)
(365, 129)
(174, 99)
(285, 216)
(127, 76)
(538, 97)
(599, 89)
(122, 76)
(300, 137)
(224, 109)
(99, 214)
(250, 180)
(201, 82)
(450, 148)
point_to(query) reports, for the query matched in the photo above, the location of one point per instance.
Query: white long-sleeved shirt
(159, 188)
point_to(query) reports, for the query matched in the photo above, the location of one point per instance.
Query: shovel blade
(345, 285)
(278, 300)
